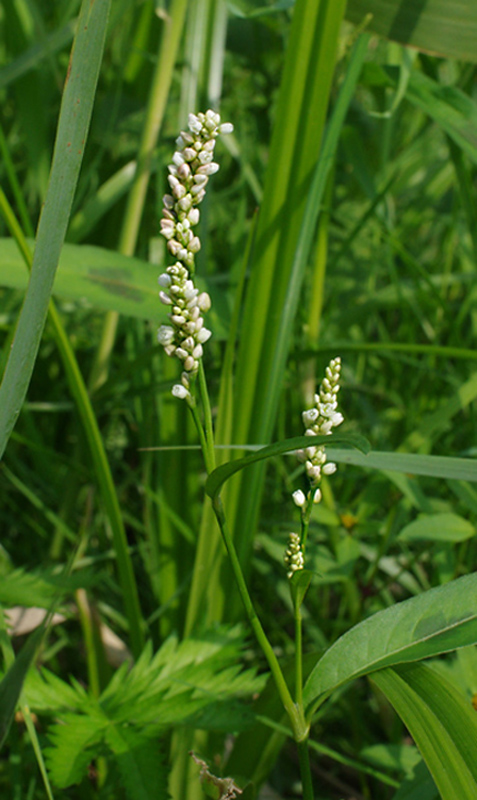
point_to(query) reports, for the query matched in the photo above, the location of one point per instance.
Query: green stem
(298, 657)
(305, 519)
(300, 729)
(209, 462)
(305, 770)
(208, 425)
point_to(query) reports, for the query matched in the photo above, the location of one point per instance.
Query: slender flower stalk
(192, 165)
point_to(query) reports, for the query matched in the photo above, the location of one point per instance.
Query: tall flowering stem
(192, 165)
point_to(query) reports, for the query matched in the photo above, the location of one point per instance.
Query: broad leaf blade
(463, 469)
(438, 528)
(441, 723)
(434, 622)
(218, 477)
(445, 27)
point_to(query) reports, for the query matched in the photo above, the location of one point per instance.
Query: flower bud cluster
(192, 164)
(320, 420)
(293, 557)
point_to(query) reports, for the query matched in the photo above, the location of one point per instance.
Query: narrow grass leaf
(445, 27)
(441, 722)
(75, 114)
(437, 621)
(12, 683)
(464, 469)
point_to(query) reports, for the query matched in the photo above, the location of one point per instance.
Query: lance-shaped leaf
(434, 622)
(12, 683)
(218, 477)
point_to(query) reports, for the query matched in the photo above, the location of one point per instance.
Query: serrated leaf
(218, 477)
(74, 743)
(437, 528)
(441, 723)
(434, 622)
(140, 762)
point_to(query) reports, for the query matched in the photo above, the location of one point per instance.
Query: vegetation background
(370, 256)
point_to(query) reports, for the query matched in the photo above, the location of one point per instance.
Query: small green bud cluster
(293, 557)
(192, 164)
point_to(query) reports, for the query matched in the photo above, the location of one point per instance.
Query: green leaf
(12, 683)
(140, 762)
(218, 477)
(464, 469)
(445, 27)
(299, 585)
(438, 528)
(74, 744)
(441, 722)
(434, 622)
(75, 115)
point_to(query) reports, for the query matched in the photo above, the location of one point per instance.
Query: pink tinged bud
(208, 169)
(189, 364)
(185, 138)
(185, 203)
(189, 344)
(226, 127)
(179, 191)
(193, 216)
(329, 468)
(183, 172)
(164, 298)
(165, 335)
(195, 124)
(205, 157)
(194, 244)
(199, 196)
(317, 496)
(178, 159)
(179, 391)
(173, 246)
(203, 301)
(299, 498)
(203, 335)
(164, 280)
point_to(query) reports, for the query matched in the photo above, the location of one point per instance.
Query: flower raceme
(192, 165)
(319, 420)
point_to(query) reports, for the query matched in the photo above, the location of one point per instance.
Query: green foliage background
(373, 259)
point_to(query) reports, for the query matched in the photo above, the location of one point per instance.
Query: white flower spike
(192, 164)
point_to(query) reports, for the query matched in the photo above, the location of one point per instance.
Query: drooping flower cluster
(192, 164)
(319, 420)
(294, 558)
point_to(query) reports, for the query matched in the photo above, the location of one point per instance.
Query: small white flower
(180, 391)
(165, 335)
(226, 127)
(299, 498)
(317, 496)
(329, 468)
